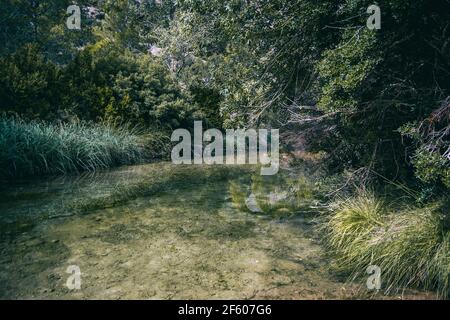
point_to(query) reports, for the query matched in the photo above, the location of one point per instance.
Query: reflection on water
(156, 231)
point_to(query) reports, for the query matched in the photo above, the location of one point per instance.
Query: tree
(316, 64)
(29, 84)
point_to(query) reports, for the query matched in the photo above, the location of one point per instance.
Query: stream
(183, 239)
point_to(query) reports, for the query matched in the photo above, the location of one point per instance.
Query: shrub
(432, 156)
(29, 84)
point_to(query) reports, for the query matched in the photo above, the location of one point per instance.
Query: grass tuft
(39, 148)
(411, 246)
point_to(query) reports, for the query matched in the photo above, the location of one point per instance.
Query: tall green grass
(37, 148)
(411, 246)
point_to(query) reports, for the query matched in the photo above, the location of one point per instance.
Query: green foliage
(345, 70)
(23, 21)
(43, 23)
(101, 82)
(374, 99)
(34, 148)
(85, 79)
(29, 84)
(268, 59)
(133, 25)
(411, 247)
(432, 167)
(103, 71)
(431, 159)
(145, 94)
(378, 81)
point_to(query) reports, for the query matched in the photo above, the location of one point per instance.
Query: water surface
(183, 238)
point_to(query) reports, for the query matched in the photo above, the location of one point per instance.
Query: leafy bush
(29, 84)
(145, 94)
(102, 82)
(432, 138)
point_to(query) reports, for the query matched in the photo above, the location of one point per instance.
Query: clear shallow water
(183, 239)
